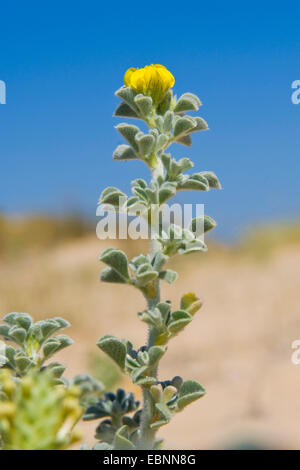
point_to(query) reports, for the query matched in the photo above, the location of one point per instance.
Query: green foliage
(168, 123)
(36, 414)
(38, 408)
(33, 343)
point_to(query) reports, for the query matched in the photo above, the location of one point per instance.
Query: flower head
(152, 80)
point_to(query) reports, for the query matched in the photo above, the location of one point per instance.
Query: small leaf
(155, 354)
(168, 275)
(203, 224)
(190, 303)
(187, 102)
(121, 441)
(18, 334)
(144, 104)
(114, 348)
(185, 140)
(184, 125)
(145, 143)
(129, 131)
(117, 260)
(127, 94)
(124, 110)
(189, 392)
(110, 275)
(212, 179)
(124, 152)
(201, 125)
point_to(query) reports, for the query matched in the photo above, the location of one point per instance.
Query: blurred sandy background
(238, 345)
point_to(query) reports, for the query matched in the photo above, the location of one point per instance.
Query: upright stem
(148, 434)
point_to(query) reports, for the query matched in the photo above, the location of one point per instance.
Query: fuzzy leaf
(117, 260)
(168, 275)
(187, 102)
(114, 348)
(124, 110)
(110, 275)
(212, 179)
(145, 143)
(189, 392)
(190, 303)
(124, 152)
(202, 224)
(184, 126)
(144, 104)
(128, 131)
(121, 441)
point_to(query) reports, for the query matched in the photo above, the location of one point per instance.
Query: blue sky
(62, 62)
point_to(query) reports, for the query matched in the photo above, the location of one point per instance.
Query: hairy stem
(148, 434)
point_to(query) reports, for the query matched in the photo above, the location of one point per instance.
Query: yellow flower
(152, 80)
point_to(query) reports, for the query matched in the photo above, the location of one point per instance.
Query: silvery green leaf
(145, 381)
(152, 195)
(117, 260)
(164, 308)
(139, 182)
(57, 369)
(159, 261)
(23, 363)
(166, 103)
(121, 440)
(176, 326)
(184, 125)
(10, 353)
(110, 275)
(212, 179)
(168, 121)
(124, 110)
(138, 261)
(18, 334)
(111, 195)
(187, 102)
(127, 94)
(146, 277)
(48, 327)
(185, 140)
(166, 191)
(201, 125)
(114, 348)
(193, 183)
(166, 159)
(145, 143)
(50, 347)
(124, 152)
(4, 329)
(190, 247)
(202, 224)
(128, 131)
(165, 413)
(138, 373)
(144, 104)
(62, 322)
(9, 318)
(185, 164)
(189, 392)
(64, 341)
(143, 358)
(155, 354)
(161, 141)
(23, 320)
(159, 122)
(152, 317)
(168, 275)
